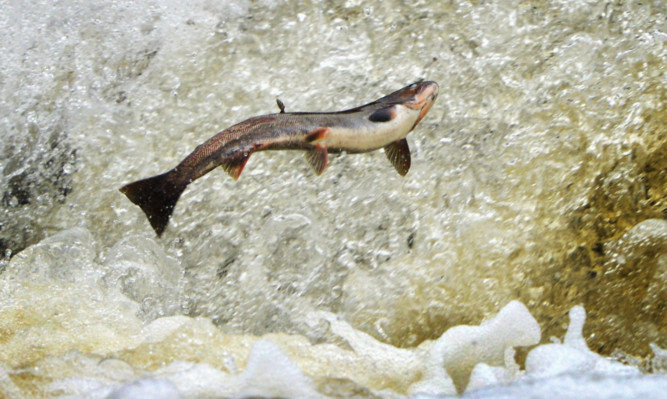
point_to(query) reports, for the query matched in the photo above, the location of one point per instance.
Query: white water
(284, 284)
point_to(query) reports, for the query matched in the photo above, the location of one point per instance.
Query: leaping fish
(383, 123)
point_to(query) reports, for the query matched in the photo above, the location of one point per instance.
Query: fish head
(417, 96)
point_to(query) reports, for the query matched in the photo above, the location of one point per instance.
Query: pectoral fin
(234, 166)
(317, 134)
(398, 153)
(318, 158)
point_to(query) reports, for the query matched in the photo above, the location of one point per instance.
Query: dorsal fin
(281, 105)
(384, 114)
(234, 166)
(318, 158)
(398, 153)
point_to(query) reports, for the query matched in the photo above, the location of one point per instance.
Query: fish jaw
(423, 99)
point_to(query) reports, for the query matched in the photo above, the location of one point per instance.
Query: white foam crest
(146, 388)
(573, 355)
(460, 348)
(270, 373)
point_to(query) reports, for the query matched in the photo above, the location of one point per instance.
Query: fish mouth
(424, 99)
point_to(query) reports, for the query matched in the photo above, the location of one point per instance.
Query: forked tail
(157, 197)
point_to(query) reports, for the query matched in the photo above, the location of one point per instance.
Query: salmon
(383, 123)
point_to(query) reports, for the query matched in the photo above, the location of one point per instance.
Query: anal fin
(234, 166)
(398, 153)
(318, 158)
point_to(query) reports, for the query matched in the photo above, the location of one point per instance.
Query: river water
(538, 184)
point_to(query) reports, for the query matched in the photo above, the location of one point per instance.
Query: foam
(573, 355)
(91, 342)
(459, 349)
(584, 386)
(146, 388)
(269, 372)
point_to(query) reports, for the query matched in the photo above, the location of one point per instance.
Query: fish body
(383, 123)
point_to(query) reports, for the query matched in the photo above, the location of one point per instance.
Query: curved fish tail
(157, 197)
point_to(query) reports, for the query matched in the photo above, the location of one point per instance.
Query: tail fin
(157, 197)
